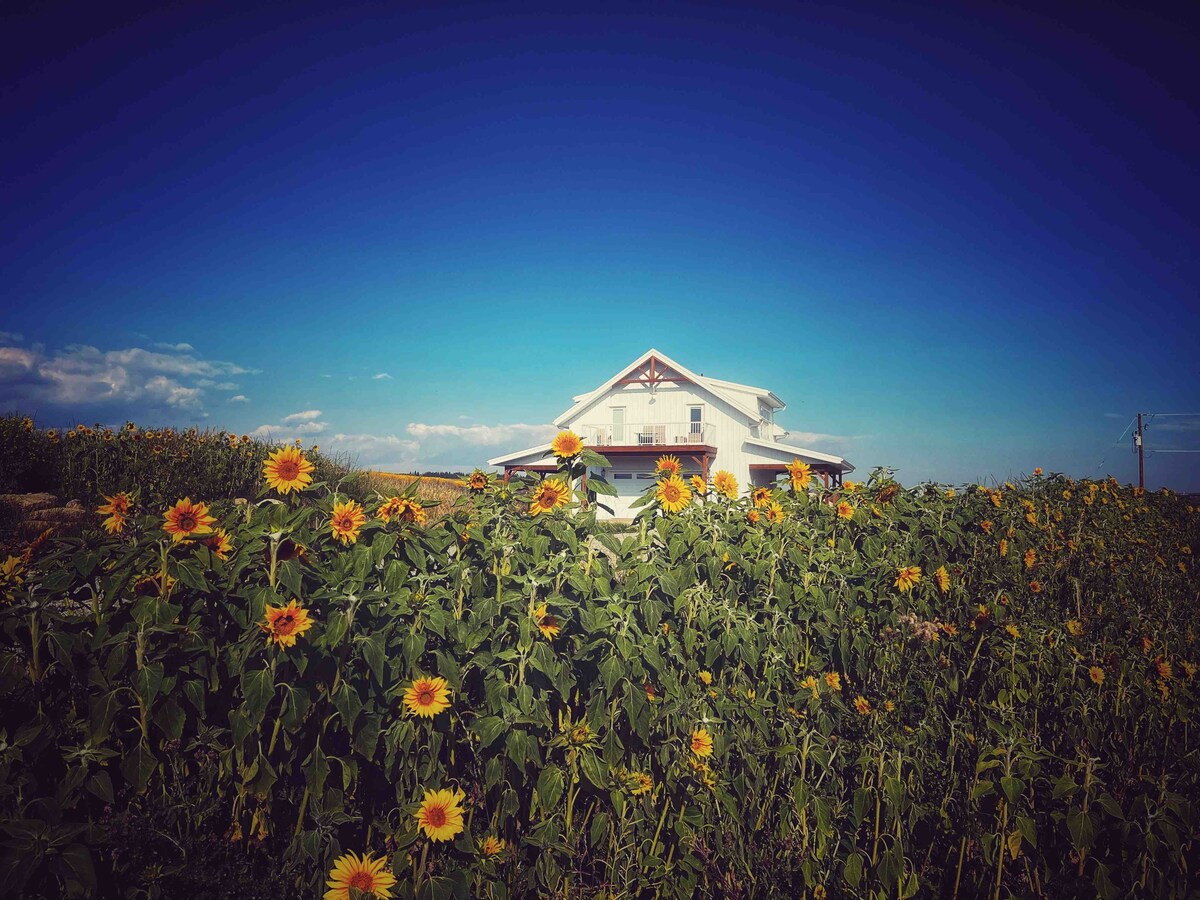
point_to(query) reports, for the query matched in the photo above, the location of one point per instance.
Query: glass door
(618, 425)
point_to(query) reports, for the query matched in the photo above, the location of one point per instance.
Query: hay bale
(24, 504)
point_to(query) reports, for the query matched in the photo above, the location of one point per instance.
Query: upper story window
(695, 419)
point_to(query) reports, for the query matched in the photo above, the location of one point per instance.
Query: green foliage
(161, 465)
(867, 741)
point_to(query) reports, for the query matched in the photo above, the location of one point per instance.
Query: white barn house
(655, 406)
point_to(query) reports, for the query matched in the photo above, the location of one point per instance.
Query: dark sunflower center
(285, 623)
(287, 471)
(187, 522)
(425, 697)
(436, 816)
(362, 880)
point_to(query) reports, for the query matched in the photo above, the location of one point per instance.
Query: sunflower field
(877, 691)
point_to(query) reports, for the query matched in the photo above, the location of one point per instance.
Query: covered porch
(769, 462)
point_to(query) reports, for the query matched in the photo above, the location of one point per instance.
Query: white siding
(726, 428)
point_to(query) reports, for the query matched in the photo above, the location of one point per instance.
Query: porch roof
(773, 453)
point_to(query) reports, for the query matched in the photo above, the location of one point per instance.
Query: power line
(1118, 441)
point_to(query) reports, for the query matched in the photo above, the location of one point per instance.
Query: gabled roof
(725, 390)
(804, 454)
(760, 393)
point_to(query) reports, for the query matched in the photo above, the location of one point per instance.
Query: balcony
(657, 434)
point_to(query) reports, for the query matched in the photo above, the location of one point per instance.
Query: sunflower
(726, 484)
(706, 676)
(218, 542)
(427, 696)
(986, 526)
(346, 520)
(800, 473)
(580, 735)
(1096, 674)
(492, 846)
(114, 524)
(845, 510)
(942, 577)
(186, 518)
(547, 624)
(287, 470)
(550, 494)
(641, 783)
(1164, 669)
(761, 496)
(478, 481)
(668, 465)
(152, 586)
(1074, 627)
(754, 515)
(1003, 547)
(116, 505)
(702, 742)
(283, 624)
(10, 577)
(862, 705)
(1035, 586)
(774, 512)
(440, 814)
(673, 494)
(566, 445)
(907, 578)
(362, 873)
(699, 485)
(403, 510)
(1013, 630)
(1030, 558)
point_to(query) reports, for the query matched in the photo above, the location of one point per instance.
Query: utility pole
(1141, 455)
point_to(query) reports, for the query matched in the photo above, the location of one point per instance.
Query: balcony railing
(646, 434)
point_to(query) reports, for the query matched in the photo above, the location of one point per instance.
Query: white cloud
(796, 438)
(11, 337)
(386, 452)
(484, 435)
(134, 379)
(179, 348)
(434, 447)
(288, 431)
(240, 398)
(382, 376)
(298, 424)
(307, 415)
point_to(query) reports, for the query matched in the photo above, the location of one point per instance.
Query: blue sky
(958, 242)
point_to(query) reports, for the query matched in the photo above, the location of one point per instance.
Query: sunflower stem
(420, 876)
(300, 813)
